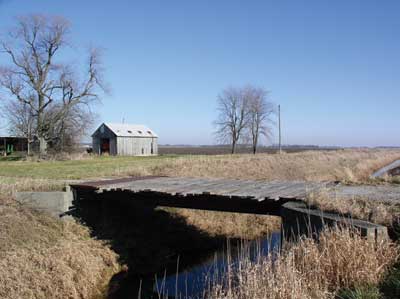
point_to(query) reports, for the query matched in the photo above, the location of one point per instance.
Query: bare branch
(232, 116)
(53, 92)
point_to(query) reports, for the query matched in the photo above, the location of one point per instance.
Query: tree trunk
(233, 146)
(42, 146)
(255, 142)
(42, 140)
(40, 127)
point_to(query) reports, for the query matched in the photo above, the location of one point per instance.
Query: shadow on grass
(148, 240)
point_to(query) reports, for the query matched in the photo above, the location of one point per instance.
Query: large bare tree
(260, 112)
(35, 77)
(232, 116)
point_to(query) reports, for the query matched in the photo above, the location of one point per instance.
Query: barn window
(149, 132)
(140, 132)
(129, 131)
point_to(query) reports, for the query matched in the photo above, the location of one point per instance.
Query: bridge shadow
(147, 239)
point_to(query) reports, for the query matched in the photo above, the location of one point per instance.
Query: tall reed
(309, 269)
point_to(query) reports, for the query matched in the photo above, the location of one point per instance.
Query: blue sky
(333, 66)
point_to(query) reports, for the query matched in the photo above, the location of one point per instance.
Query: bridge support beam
(299, 220)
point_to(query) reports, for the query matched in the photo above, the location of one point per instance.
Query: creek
(192, 275)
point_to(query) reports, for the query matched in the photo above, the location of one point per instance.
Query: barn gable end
(125, 140)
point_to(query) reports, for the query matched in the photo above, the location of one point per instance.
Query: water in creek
(192, 281)
(151, 242)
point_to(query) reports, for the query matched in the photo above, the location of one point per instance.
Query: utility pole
(280, 136)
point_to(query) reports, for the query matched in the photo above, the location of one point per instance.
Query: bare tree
(20, 121)
(66, 130)
(259, 114)
(232, 116)
(34, 78)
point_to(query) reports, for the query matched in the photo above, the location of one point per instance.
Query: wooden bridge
(202, 193)
(242, 196)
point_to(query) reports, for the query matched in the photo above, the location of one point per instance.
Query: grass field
(225, 150)
(335, 165)
(88, 167)
(307, 165)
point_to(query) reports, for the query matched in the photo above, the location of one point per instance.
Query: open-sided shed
(124, 140)
(11, 144)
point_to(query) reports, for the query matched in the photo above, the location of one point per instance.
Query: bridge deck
(242, 196)
(255, 190)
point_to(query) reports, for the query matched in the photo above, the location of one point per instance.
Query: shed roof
(129, 130)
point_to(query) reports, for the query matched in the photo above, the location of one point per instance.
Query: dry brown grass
(309, 269)
(42, 257)
(343, 165)
(388, 179)
(232, 225)
(380, 212)
(62, 156)
(9, 186)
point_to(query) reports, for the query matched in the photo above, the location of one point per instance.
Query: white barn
(124, 140)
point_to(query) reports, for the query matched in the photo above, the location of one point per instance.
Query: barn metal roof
(129, 130)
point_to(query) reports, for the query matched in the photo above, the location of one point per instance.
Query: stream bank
(150, 241)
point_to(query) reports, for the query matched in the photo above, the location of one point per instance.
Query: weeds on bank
(340, 263)
(9, 186)
(380, 212)
(42, 257)
(231, 225)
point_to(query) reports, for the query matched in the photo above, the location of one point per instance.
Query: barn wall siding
(155, 146)
(96, 145)
(113, 146)
(134, 146)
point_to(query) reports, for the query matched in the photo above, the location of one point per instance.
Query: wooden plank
(224, 187)
(185, 186)
(214, 188)
(157, 185)
(295, 189)
(251, 189)
(200, 188)
(229, 187)
(272, 190)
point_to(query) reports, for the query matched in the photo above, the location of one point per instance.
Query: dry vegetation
(233, 225)
(309, 269)
(9, 186)
(343, 165)
(41, 257)
(381, 212)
